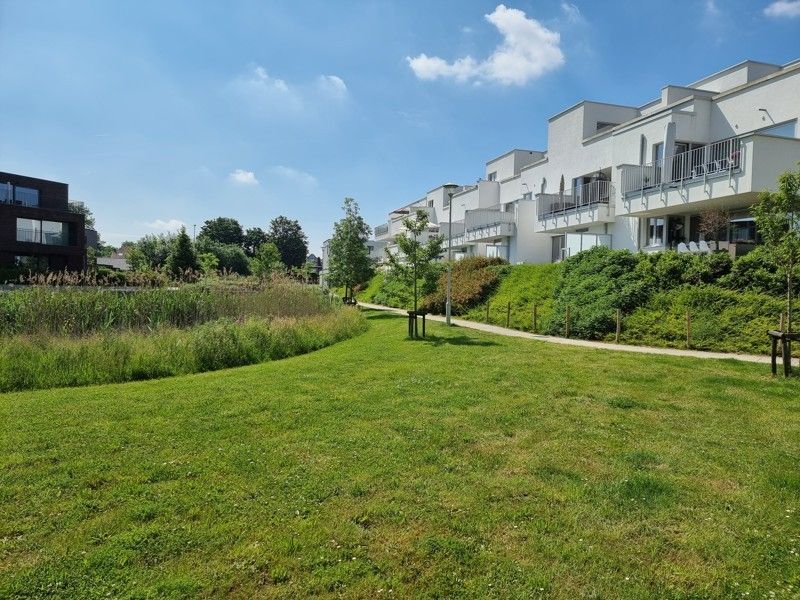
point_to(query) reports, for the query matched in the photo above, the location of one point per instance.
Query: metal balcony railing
(382, 230)
(713, 160)
(575, 199)
(479, 218)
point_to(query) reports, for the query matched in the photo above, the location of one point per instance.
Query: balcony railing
(713, 160)
(382, 230)
(479, 218)
(575, 199)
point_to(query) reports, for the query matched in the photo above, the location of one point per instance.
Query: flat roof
(512, 152)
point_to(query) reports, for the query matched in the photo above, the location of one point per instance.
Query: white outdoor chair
(683, 248)
(704, 247)
(693, 247)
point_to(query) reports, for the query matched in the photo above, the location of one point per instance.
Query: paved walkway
(583, 343)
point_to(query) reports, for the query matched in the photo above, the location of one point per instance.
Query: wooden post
(688, 329)
(534, 318)
(783, 322)
(508, 315)
(566, 323)
(487, 311)
(619, 326)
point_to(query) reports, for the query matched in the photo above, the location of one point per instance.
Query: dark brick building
(37, 230)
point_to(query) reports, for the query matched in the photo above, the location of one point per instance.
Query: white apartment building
(630, 177)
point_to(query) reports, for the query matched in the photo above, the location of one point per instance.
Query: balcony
(580, 206)
(381, 231)
(487, 224)
(734, 170)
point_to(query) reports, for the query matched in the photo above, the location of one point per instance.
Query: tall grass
(84, 311)
(45, 361)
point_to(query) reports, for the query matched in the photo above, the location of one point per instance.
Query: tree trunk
(789, 307)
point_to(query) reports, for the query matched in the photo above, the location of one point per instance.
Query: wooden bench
(784, 337)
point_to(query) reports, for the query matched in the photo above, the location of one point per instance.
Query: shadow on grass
(457, 340)
(374, 315)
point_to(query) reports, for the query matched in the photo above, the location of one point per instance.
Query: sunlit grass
(466, 466)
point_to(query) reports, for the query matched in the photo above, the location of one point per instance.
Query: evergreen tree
(183, 256)
(349, 264)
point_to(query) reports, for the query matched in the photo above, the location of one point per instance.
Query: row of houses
(632, 177)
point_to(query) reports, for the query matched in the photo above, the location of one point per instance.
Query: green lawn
(463, 466)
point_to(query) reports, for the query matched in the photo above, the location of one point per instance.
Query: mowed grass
(464, 466)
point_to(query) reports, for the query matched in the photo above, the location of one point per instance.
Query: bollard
(487, 311)
(619, 326)
(566, 323)
(534, 318)
(688, 330)
(508, 315)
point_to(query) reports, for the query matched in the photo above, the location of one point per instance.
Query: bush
(594, 284)
(722, 320)
(473, 279)
(757, 271)
(230, 257)
(36, 362)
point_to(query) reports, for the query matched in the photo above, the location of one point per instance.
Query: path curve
(753, 358)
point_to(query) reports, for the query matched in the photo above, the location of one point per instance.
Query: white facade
(629, 177)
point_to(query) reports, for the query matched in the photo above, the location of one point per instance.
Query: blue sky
(161, 112)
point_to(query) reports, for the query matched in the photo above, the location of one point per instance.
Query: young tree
(267, 261)
(222, 230)
(288, 237)
(253, 239)
(151, 251)
(183, 256)
(416, 260)
(209, 263)
(777, 217)
(349, 258)
(714, 223)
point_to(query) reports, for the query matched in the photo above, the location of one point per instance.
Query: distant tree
(254, 237)
(82, 209)
(183, 256)
(209, 263)
(714, 224)
(125, 247)
(349, 263)
(777, 217)
(104, 249)
(288, 237)
(151, 251)
(230, 257)
(267, 261)
(415, 260)
(222, 230)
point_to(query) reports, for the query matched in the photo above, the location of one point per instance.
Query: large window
(51, 233)
(655, 231)
(26, 196)
(14, 194)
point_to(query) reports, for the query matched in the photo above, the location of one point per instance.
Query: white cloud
(528, 51)
(170, 225)
(466, 29)
(333, 86)
(266, 95)
(243, 177)
(294, 176)
(572, 12)
(783, 8)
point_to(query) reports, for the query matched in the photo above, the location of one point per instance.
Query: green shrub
(757, 271)
(594, 284)
(473, 279)
(372, 287)
(722, 320)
